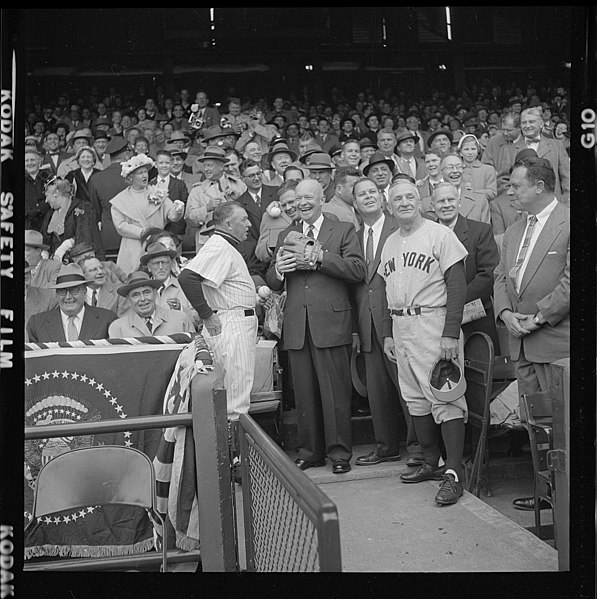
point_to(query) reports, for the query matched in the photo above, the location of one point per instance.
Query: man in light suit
(374, 323)
(317, 330)
(102, 291)
(73, 319)
(531, 124)
(532, 286)
(145, 317)
(37, 299)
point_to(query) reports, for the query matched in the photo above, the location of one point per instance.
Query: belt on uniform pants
(247, 311)
(415, 311)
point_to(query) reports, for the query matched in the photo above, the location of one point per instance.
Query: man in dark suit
(53, 156)
(483, 257)
(177, 190)
(532, 280)
(317, 329)
(255, 201)
(73, 319)
(374, 323)
(103, 186)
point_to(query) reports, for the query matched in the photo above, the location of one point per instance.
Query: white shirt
(377, 226)
(166, 181)
(541, 220)
(78, 320)
(89, 295)
(316, 226)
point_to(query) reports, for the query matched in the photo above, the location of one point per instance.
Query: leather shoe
(423, 472)
(528, 504)
(372, 458)
(415, 460)
(303, 464)
(340, 466)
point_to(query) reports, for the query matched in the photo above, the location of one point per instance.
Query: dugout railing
(290, 525)
(264, 463)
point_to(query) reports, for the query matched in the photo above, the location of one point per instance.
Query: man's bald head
(309, 199)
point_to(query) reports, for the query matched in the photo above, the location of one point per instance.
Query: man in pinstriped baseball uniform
(423, 266)
(218, 285)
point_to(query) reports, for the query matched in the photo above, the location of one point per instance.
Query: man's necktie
(369, 254)
(71, 329)
(523, 249)
(94, 298)
(258, 200)
(149, 324)
(310, 232)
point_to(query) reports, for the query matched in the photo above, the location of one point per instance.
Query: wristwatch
(536, 320)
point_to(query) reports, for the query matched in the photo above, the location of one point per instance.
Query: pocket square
(551, 253)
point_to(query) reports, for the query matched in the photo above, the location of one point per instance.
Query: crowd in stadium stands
(120, 185)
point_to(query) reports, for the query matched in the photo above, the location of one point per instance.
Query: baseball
(274, 210)
(264, 291)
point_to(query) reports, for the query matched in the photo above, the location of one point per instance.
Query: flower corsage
(156, 194)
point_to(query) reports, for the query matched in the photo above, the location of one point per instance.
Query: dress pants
(323, 392)
(385, 401)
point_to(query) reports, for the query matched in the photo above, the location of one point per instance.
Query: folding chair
(99, 475)
(538, 407)
(478, 372)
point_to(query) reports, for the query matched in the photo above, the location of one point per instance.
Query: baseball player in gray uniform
(218, 285)
(423, 266)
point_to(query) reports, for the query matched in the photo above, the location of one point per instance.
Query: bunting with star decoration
(81, 384)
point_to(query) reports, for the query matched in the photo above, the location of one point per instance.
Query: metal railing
(290, 524)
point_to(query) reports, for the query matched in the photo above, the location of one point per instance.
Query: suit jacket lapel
(461, 229)
(546, 239)
(54, 326)
(325, 232)
(89, 324)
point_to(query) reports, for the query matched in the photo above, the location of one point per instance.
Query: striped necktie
(369, 254)
(310, 232)
(94, 298)
(524, 248)
(149, 324)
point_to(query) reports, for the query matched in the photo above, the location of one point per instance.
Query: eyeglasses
(160, 263)
(74, 291)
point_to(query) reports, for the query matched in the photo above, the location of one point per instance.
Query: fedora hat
(35, 239)
(138, 279)
(180, 136)
(310, 148)
(101, 134)
(154, 250)
(216, 131)
(367, 142)
(357, 382)
(281, 148)
(116, 145)
(445, 132)
(79, 249)
(213, 153)
(80, 135)
(101, 120)
(320, 161)
(175, 151)
(378, 158)
(70, 275)
(406, 134)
